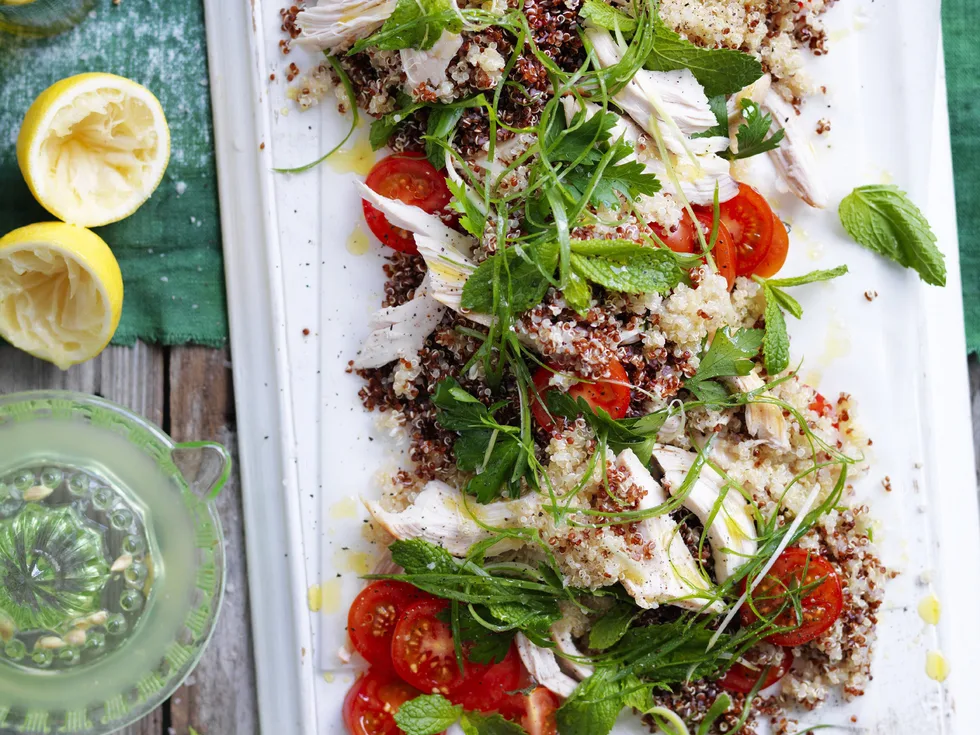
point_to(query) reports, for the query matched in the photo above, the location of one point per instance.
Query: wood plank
(130, 376)
(220, 696)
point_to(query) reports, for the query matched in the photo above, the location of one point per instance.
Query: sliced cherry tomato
(485, 686)
(535, 712)
(410, 178)
(821, 602)
(372, 617)
(612, 394)
(761, 240)
(820, 405)
(372, 702)
(741, 679)
(684, 239)
(422, 649)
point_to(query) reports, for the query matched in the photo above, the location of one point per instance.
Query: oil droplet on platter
(358, 159)
(937, 668)
(357, 562)
(929, 610)
(328, 677)
(314, 598)
(346, 508)
(330, 596)
(358, 243)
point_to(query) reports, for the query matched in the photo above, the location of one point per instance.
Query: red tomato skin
(371, 704)
(775, 256)
(410, 178)
(535, 712)
(741, 679)
(825, 601)
(611, 393)
(485, 686)
(373, 615)
(685, 240)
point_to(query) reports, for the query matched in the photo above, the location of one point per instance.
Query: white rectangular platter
(299, 303)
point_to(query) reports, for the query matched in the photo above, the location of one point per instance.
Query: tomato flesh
(684, 239)
(485, 686)
(612, 394)
(821, 603)
(410, 178)
(741, 679)
(422, 649)
(760, 238)
(373, 615)
(535, 712)
(372, 702)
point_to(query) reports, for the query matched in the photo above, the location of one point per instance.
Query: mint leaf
(637, 695)
(593, 707)
(651, 270)
(751, 135)
(730, 354)
(416, 556)
(784, 300)
(611, 627)
(442, 123)
(577, 293)
(606, 16)
(527, 280)
(812, 277)
(720, 71)
(884, 220)
(414, 24)
(775, 344)
(429, 714)
(473, 723)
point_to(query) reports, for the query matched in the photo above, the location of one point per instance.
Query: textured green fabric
(961, 22)
(170, 249)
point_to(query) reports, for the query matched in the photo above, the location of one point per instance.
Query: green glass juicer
(112, 563)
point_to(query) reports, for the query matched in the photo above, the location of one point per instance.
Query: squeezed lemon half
(61, 292)
(93, 148)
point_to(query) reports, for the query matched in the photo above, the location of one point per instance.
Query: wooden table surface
(188, 391)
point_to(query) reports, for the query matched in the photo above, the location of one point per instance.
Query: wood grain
(220, 696)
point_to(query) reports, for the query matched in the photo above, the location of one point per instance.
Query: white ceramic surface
(309, 449)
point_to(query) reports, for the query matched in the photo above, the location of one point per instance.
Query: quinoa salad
(619, 495)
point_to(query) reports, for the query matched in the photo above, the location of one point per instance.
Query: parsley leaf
(473, 723)
(730, 354)
(719, 106)
(638, 434)
(606, 16)
(428, 714)
(647, 270)
(484, 446)
(473, 219)
(751, 134)
(414, 24)
(883, 219)
(484, 645)
(611, 627)
(629, 179)
(775, 344)
(580, 137)
(720, 71)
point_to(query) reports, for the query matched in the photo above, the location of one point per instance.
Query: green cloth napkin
(170, 249)
(961, 21)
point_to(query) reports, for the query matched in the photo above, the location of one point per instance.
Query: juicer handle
(206, 466)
